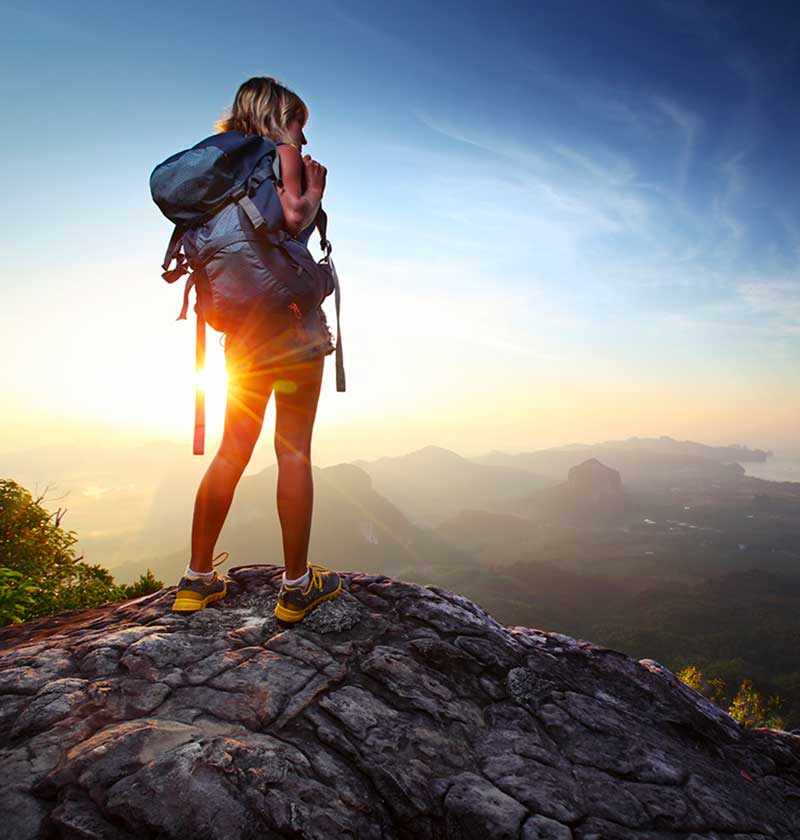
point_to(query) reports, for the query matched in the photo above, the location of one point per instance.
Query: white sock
(193, 575)
(301, 581)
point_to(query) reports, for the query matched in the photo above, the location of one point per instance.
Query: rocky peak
(395, 711)
(593, 476)
(594, 492)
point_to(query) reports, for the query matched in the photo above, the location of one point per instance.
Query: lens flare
(284, 386)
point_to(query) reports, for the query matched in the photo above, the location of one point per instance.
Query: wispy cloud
(778, 301)
(566, 193)
(767, 311)
(689, 124)
(566, 202)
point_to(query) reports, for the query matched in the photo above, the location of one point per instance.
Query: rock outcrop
(593, 494)
(395, 711)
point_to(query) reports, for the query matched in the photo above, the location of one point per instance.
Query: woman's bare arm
(300, 202)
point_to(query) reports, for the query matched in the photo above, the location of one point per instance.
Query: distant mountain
(668, 445)
(639, 465)
(433, 484)
(353, 527)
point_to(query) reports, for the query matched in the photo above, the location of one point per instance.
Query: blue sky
(553, 221)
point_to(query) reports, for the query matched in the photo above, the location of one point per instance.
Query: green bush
(146, 584)
(15, 596)
(39, 572)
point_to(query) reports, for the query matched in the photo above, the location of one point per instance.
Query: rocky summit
(395, 711)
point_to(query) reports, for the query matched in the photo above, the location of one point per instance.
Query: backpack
(229, 236)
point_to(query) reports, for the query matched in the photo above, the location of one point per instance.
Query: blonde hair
(264, 106)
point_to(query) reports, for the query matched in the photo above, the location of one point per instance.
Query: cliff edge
(395, 711)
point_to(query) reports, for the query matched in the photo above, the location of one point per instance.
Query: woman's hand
(315, 174)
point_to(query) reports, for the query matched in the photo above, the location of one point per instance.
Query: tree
(717, 685)
(692, 676)
(747, 707)
(39, 572)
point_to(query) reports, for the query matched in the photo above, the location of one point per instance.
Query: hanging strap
(200, 394)
(173, 253)
(321, 221)
(340, 384)
(186, 288)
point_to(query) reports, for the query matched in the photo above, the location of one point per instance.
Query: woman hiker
(291, 364)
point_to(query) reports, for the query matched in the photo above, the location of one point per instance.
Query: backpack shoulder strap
(276, 164)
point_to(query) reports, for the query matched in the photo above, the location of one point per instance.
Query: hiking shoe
(194, 593)
(295, 603)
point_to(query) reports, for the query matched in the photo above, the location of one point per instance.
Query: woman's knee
(290, 450)
(235, 455)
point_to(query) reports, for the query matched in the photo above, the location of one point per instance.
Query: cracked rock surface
(394, 711)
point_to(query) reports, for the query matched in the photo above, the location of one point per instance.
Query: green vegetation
(731, 626)
(747, 706)
(39, 572)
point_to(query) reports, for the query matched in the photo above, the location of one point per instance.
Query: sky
(553, 222)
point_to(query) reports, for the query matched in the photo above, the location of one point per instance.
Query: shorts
(309, 338)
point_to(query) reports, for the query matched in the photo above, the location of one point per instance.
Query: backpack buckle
(181, 268)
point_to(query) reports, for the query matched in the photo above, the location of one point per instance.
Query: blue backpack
(247, 271)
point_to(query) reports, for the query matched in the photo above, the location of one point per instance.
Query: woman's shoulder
(289, 155)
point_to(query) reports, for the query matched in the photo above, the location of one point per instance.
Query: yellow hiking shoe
(295, 603)
(195, 593)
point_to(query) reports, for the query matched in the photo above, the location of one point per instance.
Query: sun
(212, 379)
(211, 382)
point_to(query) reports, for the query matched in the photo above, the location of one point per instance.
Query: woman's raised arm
(300, 201)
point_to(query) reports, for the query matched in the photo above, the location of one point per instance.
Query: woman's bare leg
(296, 397)
(247, 399)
